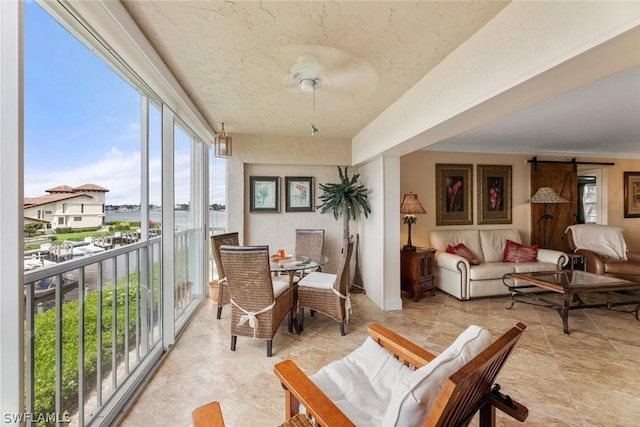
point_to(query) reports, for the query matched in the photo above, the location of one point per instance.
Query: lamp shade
(411, 205)
(546, 195)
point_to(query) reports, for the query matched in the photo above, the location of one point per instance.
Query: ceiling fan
(307, 75)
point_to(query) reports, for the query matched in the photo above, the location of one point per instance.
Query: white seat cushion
(279, 286)
(318, 280)
(361, 383)
(416, 393)
(528, 267)
(491, 270)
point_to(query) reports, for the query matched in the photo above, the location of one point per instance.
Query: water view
(217, 219)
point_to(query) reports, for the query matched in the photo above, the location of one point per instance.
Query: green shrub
(45, 345)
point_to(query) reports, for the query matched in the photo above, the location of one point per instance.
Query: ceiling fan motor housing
(307, 74)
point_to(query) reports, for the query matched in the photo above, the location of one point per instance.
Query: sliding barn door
(564, 179)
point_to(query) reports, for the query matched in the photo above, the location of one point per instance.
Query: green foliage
(120, 226)
(31, 228)
(45, 344)
(76, 236)
(344, 199)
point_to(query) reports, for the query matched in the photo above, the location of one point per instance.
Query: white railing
(92, 331)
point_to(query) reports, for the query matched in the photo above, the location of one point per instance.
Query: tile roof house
(68, 207)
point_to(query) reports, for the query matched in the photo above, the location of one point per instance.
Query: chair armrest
(633, 256)
(301, 390)
(208, 415)
(452, 262)
(549, 255)
(399, 346)
(595, 263)
(509, 406)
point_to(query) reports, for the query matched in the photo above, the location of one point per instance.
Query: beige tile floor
(588, 378)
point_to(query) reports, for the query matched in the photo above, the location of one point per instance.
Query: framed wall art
(264, 194)
(494, 194)
(299, 193)
(454, 194)
(632, 194)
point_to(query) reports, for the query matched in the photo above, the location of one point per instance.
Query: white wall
(265, 155)
(379, 234)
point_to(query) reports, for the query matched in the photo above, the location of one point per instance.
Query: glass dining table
(291, 264)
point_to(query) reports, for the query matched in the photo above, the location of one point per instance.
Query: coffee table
(530, 288)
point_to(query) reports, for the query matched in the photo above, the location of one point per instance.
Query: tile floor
(588, 378)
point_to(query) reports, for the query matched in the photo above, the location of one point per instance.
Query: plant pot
(214, 291)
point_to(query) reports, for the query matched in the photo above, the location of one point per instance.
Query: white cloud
(119, 172)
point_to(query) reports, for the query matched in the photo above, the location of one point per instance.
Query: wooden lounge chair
(210, 415)
(462, 394)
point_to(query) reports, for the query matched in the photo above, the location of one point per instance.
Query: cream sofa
(455, 276)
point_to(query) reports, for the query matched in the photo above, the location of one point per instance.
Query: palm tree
(345, 199)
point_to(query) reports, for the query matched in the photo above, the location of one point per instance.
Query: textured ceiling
(231, 57)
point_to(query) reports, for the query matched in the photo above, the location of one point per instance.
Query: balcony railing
(93, 330)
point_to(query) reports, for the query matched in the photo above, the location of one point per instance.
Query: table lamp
(546, 195)
(411, 206)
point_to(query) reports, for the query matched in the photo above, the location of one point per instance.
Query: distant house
(67, 207)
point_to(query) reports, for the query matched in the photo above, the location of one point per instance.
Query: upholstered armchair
(605, 249)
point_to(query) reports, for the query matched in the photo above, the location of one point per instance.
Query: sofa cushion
(528, 267)
(415, 394)
(494, 241)
(490, 270)
(515, 252)
(461, 250)
(362, 383)
(440, 239)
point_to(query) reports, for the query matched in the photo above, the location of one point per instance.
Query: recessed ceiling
(232, 57)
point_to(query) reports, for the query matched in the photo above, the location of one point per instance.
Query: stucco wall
(418, 176)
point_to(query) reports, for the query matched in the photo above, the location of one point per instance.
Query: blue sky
(82, 120)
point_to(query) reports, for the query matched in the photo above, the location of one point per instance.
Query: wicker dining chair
(310, 244)
(229, 239)
(327, 293)
(258, 303)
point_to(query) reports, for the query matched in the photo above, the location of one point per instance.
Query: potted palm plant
(345, 199)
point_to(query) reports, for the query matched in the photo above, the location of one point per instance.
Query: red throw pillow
(463, 251)
(515, 252)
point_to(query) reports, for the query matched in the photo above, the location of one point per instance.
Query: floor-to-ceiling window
(94, 135)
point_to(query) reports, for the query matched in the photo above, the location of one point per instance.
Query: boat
(46, 288)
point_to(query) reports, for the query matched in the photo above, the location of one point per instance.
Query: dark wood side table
(416, 271)
(576, 262)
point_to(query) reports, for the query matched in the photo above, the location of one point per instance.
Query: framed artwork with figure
(264, 194)
(454, 194)
(299, 193)
(632, 194)
(494, 194)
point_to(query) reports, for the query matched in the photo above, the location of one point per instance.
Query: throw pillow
(461, 250)
(515, 252)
